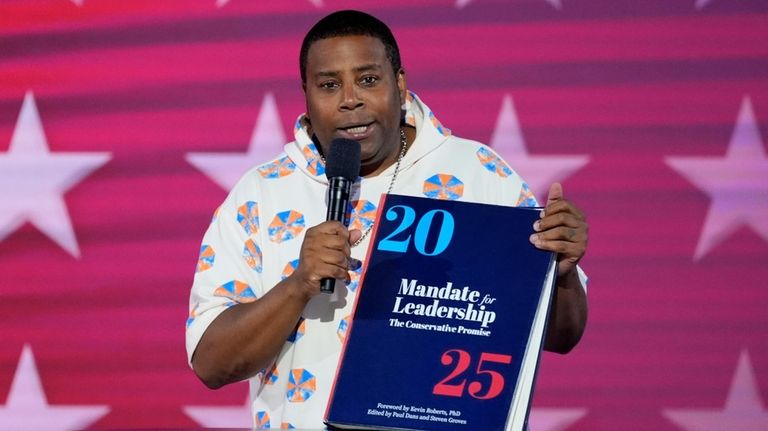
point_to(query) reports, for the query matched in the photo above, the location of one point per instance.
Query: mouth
(356, 131)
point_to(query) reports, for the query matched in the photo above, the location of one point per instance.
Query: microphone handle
(338, 205)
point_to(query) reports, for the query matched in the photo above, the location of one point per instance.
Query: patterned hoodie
(255, 237)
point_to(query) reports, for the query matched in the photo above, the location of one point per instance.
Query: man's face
(353, 93)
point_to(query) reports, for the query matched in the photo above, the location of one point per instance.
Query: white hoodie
(255, 237)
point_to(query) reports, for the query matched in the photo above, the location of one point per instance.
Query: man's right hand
(247, 337)
(325, 253)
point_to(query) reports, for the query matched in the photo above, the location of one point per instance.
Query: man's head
(349, 23)
(354, 87)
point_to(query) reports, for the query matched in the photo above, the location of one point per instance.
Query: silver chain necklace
(403, 145)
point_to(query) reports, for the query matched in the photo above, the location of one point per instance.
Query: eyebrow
(358, 69)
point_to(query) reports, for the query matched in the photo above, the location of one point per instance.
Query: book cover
(449, 320)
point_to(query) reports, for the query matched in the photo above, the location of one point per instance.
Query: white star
(557, 4)
(551, 419)
(27, 408)
(743, 409)
(737, 183)
(267, 141)
(538, 171)
(33, 180)
(221, 417)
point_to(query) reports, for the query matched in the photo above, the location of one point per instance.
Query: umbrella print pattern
(443, 186)
(493, 163)
(343, 326)
(363, 215)
(262, 419)
(207, 256)
(315, 165)
(286, 225)
(252, 255)
(301, 385)
(248, 217)
(237, 291)
(277, 169)
(289, 268)
(298, 332)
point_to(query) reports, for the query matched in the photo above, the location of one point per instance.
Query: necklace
(403, 145)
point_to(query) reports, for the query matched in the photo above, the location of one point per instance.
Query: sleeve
(229, 267)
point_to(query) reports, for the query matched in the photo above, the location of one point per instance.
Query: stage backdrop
(123, 123)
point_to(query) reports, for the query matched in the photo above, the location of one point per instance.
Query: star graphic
(557, 4)
(221, 416)
(27, 408)
(743, 409)
(553, 419)
(33, 180)
(267, 141)
(736, 183)
(538, 171)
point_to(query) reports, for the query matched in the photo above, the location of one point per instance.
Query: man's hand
(562, 229)
(324, 253)
(247, 337)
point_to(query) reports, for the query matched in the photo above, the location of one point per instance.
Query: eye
(329, 85)
(369, 80)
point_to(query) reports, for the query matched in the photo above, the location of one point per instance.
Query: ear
(401, 87)
(306, 100)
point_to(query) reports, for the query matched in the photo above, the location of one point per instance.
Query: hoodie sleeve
(229, 266)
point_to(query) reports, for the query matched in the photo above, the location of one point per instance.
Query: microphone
(342, 168)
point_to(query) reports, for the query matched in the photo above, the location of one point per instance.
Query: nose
(350, 98)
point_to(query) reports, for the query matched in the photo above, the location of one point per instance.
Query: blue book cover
(449, 321)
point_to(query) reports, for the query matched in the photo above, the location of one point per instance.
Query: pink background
(626, 84)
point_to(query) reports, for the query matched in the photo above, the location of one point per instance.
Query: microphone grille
(343, 159)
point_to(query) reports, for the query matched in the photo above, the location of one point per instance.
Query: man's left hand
(562, 229)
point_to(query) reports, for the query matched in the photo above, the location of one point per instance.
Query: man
(256, 308)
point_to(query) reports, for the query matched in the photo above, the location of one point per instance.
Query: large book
(449, 320)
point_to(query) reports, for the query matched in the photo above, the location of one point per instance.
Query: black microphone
(342, 168)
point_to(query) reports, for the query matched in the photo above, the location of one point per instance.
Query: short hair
(350, 23)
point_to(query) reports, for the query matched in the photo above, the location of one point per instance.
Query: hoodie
(255, 238)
